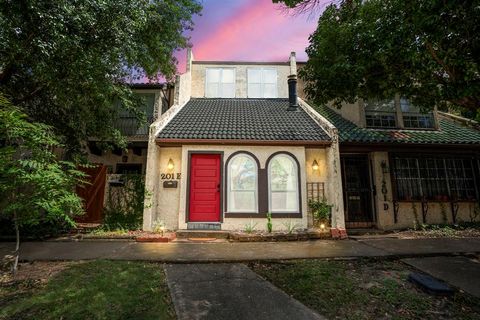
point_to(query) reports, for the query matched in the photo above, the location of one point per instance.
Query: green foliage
(65, 62)
(34, 185)
(124, 204)
(290, 226)
(269, 222)
(426, 50)
(321, 211)
(250, 227)
(159, 226)
(92, 290)
(363, 289)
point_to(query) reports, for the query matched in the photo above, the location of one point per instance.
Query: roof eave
(243, 142)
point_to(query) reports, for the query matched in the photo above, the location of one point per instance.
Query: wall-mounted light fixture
(170, 164)
(315, 165)
(384, 166)
(125, 159)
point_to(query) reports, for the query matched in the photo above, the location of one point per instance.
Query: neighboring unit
(402, 167)
(157, 98)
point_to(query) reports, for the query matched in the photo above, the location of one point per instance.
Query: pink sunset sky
(248, 30)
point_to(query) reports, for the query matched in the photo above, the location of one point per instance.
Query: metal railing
(128, 126)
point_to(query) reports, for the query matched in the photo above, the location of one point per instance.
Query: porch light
(315, 165)
(322, 226)
(170, 164)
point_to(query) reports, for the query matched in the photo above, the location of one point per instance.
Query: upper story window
(262, 82)
(380, 114)
(396, 113)
(413, 117)
(220, 83)
(127, 121)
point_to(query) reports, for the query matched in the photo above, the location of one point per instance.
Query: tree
(428, 51)
(34, 185)
(64, 62)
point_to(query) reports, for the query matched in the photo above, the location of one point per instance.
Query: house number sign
(170, 176)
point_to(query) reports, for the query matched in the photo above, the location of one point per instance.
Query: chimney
(292, 93)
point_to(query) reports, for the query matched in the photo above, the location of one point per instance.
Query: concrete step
(205, 234)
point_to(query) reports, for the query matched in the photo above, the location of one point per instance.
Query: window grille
(420, 121)
(379, 120)
(439, 177)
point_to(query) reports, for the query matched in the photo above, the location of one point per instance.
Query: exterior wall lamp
(315, 165)
(170, 164)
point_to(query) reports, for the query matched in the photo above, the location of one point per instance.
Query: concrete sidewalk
(230, 252)
(229, 291)
(460, 272)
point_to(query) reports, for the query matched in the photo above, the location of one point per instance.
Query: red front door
(204, 188)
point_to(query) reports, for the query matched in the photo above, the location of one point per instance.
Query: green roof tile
(449, 132)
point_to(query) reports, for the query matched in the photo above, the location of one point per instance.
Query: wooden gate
(93, 193)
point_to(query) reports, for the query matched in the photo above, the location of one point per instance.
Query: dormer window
(220, 83)
(413, 118)
(380, 114)
(262, 82)
(396, 113)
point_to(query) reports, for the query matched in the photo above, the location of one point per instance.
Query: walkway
(231, 252)
(460, 272)
(229, 291)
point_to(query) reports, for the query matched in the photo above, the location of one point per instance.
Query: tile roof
(449, 132)
(242, 119)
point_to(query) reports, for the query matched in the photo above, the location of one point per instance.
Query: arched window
(283, 193)
(242, 184)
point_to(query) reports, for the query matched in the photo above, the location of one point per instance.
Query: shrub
(125, 203)
(321, 211)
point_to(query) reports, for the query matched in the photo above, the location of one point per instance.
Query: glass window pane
(254, 75)
(380, 105)
(283, 174)
(228, 76)
(270, 76)
(254, 90)
(284, 202)
(228, 90)
(242, 184)
(243, 173)
(213, 75)
(283, 179)
(270, 91)
(241, 201)
(212, 90)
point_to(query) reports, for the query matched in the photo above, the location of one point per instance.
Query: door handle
(218, 187)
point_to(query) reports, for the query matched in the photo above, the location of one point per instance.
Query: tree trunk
(17, 244)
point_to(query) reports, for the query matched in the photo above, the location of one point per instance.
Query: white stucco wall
(199, 72)
(262, 153)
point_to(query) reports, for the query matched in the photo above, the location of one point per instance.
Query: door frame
(371, 182)
(189, 164)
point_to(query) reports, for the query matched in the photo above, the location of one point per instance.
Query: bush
(321, 211)
(125, 203)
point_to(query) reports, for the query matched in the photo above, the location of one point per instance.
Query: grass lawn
(91, 290)
(363, 289)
